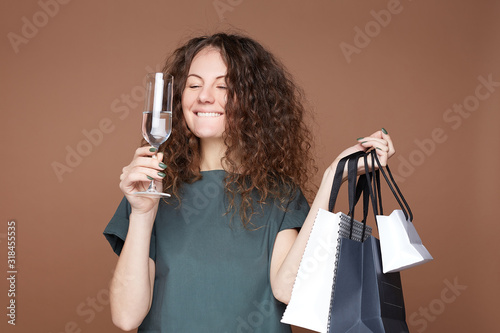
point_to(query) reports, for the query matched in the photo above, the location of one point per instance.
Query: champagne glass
(157, 118)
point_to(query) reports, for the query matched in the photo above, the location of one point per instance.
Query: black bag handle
(361, 189)
(375, 193)
(372, 191)
(407, 212)
(353, 189)
(337, 179)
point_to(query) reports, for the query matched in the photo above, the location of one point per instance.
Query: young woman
(221, 254)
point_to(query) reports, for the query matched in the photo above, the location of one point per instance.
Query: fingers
(142, 158)
(148, 162)
(381, 142)
(131, 177)
(378, 144)
(145, 151)
(142, 170)
(390, 144)
(145, 174)
(371, 141)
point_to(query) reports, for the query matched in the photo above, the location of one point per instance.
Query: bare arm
(290, 244)
(131, 290)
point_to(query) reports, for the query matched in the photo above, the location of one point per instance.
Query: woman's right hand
(134, 178)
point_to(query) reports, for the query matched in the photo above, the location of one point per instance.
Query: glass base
(152, 194)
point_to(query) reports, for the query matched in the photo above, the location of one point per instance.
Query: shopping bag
(400, 243)
(311, 294)
(364, 299)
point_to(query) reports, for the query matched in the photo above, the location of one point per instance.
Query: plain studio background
(71, 84)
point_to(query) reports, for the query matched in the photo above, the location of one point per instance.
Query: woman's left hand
(380, 141)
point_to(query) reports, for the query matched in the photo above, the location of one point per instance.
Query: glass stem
(152, 186)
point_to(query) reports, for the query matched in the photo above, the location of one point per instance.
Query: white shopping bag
(400, 244)
(310, 301)
(309, 305)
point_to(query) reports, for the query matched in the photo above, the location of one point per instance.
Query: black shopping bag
(364, 299)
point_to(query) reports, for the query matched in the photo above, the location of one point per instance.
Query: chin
(208, 135)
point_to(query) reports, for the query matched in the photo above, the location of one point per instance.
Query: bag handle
(337, 179)
(354, 192)
(376, 185)
(407, 212)
(361, 189)
(375, 192)
(355, 188)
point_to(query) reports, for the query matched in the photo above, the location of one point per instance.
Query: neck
(212, 153)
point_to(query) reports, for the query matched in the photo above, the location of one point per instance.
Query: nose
(206, 95)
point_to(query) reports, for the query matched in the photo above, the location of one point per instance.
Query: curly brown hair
(265, 126)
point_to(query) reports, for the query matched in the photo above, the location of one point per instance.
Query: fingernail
(150, 178)
(360, 138)
(162, 165)
(161, 174)
(363, 142)
(152, 149)
(379, 148)
(384, 130)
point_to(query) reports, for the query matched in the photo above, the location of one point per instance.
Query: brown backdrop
(71, 80)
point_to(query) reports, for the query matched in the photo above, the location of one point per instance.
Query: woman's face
(204, 96)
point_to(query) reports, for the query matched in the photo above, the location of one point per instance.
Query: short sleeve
(116, 230)
(296, 212)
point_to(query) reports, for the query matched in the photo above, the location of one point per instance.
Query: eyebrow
(218, 77)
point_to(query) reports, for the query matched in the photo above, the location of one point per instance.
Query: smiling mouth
(208, 114)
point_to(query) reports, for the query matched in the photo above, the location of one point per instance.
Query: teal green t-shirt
(212, 274)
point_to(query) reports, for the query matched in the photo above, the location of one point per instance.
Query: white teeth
(208, 114)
